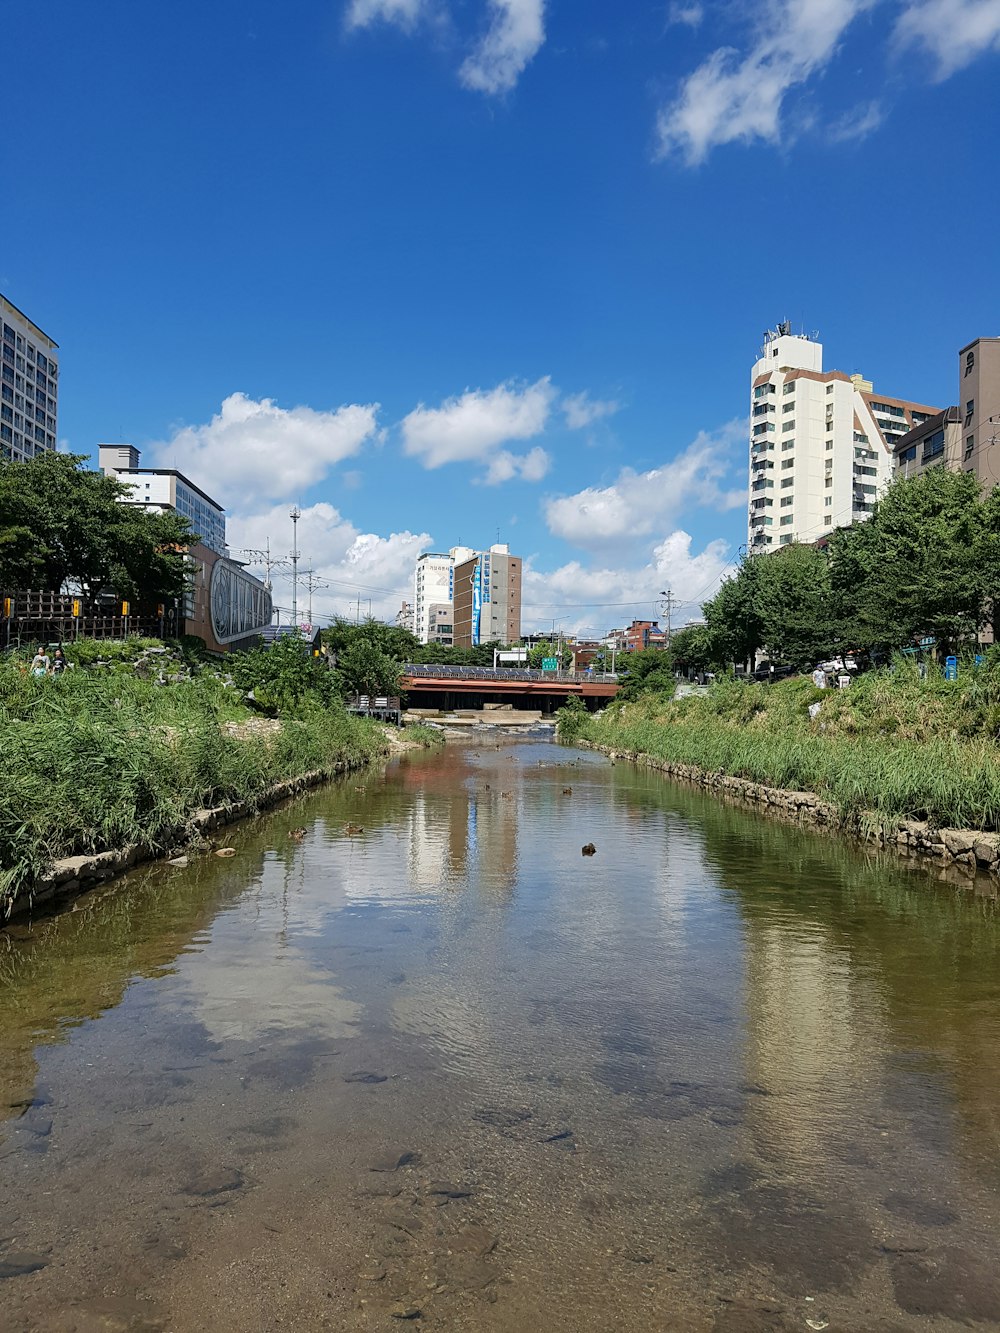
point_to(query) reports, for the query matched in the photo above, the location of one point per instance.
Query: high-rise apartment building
(486, 596)
(432, 582)
(162, 489)
(29, 386)
(821, 443)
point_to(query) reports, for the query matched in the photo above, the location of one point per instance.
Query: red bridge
(471, 687)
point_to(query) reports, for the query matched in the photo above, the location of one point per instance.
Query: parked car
(772, 671)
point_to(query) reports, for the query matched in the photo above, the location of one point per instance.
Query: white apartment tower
(29, 386)
(821, 443)
(432, 587)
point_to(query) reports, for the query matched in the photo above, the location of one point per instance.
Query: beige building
(441, 624)
(29, 386)
(937, 440)
(963, 438)
(487, 597)
(821, 443)
(979, 403)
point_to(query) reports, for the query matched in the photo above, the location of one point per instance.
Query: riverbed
(409, 1059)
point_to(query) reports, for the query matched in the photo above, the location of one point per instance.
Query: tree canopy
(925, 565)
(62, 524)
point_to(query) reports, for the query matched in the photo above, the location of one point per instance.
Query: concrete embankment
(962, 853)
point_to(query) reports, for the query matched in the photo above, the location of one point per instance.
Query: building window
(828, 481)
(933, 446)
(970, 409)
(907, 455)
(970, 444)
(828, 520)
(786, 426)
(786, 500)
(789, 481)
(787, 444)
(829, 388)
(828, 501)
(788, 407)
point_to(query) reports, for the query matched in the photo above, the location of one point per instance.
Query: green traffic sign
(550, 663)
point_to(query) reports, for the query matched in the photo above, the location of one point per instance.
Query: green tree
(926, 563)
(732, 617)
(365, 669)
(647, 671)
(284, 676)
(791, 595)
(548, 648)
(391, 640)
(693, 648)
(63, 524)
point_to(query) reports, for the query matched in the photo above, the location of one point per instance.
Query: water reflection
(720, 1067)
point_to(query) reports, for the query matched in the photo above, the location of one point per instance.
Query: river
(447, 1072)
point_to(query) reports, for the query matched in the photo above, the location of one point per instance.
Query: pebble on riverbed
(588, 849)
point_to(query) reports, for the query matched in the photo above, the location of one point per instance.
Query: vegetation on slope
(98, 760)
(892, 746)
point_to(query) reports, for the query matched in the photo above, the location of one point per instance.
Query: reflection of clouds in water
(253, 980)
(813, 1035)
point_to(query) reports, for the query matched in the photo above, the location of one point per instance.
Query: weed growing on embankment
(93, 762)
(893, 745)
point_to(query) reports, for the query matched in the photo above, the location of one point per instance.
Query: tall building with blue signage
(487, 597)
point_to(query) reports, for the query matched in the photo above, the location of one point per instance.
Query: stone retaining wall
(969, 851)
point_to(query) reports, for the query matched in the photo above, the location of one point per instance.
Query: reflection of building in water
(811, 1024)
(462, 836)
(493, 835)
(438, 832)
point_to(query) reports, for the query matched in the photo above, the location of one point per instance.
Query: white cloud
(642, 504)
(955, 32)
(473, 426)
(516, 34)
(738, 98)
(581, 410)
(619, 594)
(857, 124)
(505, 466)
(688, 16)
(257, 451)
(352, 563)
(362, 13)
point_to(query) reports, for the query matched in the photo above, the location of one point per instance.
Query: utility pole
(312, 582)
(265, 559)
(295, 515)
(669, 605)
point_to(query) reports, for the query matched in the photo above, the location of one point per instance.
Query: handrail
(417, 670)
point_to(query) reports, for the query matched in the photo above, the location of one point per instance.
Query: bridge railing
(416, 670)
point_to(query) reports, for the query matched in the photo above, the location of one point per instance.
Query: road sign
(550, 663)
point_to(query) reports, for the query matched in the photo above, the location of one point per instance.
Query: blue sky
(439, 269)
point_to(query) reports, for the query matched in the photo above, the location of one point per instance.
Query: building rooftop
(169, 472)
(40, 333)
(946, 415)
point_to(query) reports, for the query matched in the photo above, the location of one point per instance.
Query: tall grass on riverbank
(892, 746)
(93, 761)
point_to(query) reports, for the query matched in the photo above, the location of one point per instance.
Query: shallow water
(726, 1074)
